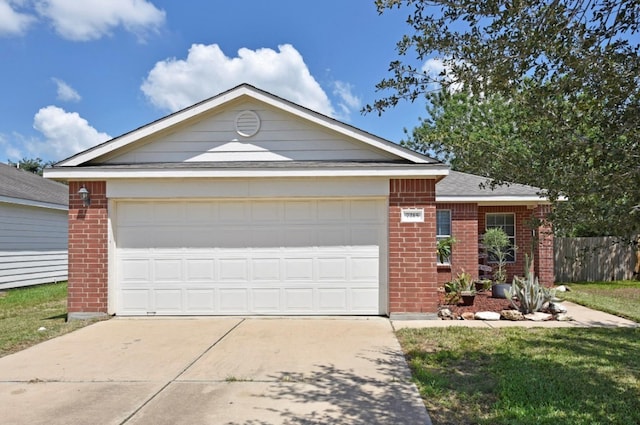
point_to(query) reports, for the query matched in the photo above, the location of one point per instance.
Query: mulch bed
(482, 302)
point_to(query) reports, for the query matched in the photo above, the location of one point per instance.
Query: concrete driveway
(213, 371)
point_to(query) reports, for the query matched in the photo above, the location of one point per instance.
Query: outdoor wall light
(84, 195)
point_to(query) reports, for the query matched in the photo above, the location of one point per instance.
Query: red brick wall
(541, 247)
(544, 258)
(413, 279)
(464, 229)
(88, 249)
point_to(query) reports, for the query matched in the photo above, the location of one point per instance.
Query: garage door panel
(233, 301)
(298, 269)
(266, 300)
(200, 301)
(233, 269)
(266, 238)
(299, 211)
(332, 299)
(298, 300)
(168, 301)
(136, 301)
(167, 270)
(249, 257)
(364, 299)
(265, 270)
(200, 270)
(332, 269)
(232, 212)
(364, 269)
(135, 270)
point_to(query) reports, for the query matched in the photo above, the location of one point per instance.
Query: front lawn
(621, 298)
(25, 310)
(526, 376)
(534, 376)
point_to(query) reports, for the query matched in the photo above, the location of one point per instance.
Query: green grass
(621, 298)
(24, 310)
(526, 376)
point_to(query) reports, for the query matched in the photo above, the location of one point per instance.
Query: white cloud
(348, 101)
(65, 133)
(83, 20)
(13, 22)
(173, 84)
(66, 93)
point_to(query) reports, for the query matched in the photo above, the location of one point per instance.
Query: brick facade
(414, 277)
(530, 239)
(413, 280)
(464, 229)
(88, 250)
(544, 256)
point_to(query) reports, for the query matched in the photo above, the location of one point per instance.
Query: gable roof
(250, 92)
(465, 187)
(25, 188)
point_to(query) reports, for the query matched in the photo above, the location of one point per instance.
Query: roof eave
(495, 200)
(99, 173)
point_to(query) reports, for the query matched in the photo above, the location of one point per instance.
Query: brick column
(413, 279)
(88, 251)
(544, 256)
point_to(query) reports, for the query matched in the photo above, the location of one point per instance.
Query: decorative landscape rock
(555, 308)
(445, 314)
(467, 315)
(563, 317)
(487, 315)
(538, 316)
(513, 315)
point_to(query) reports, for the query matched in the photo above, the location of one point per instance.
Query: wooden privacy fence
(593, 259)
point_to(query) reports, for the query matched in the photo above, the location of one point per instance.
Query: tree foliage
(32, 165)
(550, 97)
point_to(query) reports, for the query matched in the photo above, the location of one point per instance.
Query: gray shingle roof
(22, 184)
(458, 184)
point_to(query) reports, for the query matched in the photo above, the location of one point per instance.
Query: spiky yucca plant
(527, 290)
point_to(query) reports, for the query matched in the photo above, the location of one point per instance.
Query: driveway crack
(187, 367)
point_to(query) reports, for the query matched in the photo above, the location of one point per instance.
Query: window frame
(439, 236)
(511, 253)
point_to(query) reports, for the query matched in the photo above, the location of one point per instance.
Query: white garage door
(250, 257)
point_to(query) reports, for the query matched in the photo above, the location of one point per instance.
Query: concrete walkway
(214, 371)
(583, 317)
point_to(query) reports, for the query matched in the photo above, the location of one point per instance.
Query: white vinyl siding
(250, 257)
(33, 245)
(506, 222)
(281, 137)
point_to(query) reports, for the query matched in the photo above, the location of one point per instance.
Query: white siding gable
(33, 245)
(281, 137)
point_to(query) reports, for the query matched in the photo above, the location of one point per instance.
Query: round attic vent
(247, 123)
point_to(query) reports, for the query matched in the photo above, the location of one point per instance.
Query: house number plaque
(412, 215)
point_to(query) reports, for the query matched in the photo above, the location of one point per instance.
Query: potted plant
(467, 288)
(443, 249)
(496, 242)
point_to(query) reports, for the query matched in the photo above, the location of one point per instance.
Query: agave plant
(527, 290)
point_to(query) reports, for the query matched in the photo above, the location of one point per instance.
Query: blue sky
(75, 73)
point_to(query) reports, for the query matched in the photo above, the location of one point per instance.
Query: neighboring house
(33, 229)
(247, 203)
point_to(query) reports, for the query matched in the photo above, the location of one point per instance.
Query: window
(506, 222)
(443, 231)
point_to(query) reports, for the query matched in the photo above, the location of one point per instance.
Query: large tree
(550, 96)
(32, 165)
